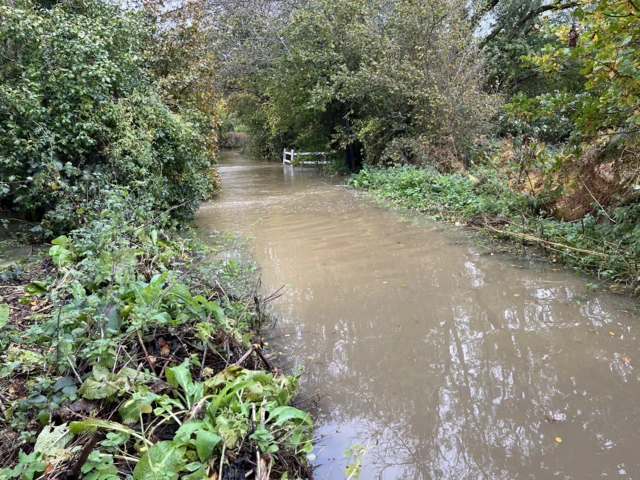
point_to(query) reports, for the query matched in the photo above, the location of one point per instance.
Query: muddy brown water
(446, 361)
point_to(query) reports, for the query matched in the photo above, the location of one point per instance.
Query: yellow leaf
(384, 282)
(310, 357)
(558, 439)
(626, 359)
(266, 344)
(611, 333)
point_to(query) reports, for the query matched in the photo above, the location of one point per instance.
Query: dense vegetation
(81, 109)
(131, 353)
(537, 99)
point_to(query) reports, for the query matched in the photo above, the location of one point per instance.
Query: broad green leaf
(205, 443)
(93, 389)
(36, 288)
(61, 256)
(180, 376)
(187, 429)
(53, 438)
(284, 414)
(62, 241)
(162, 460)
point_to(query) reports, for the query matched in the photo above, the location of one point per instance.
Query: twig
(596, 200)
(245, 356)
(266, 362)
(204, 359)
(74, 370)
(532, 238)
(144, 349)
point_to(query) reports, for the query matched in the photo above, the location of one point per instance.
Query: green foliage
(79, 111)
(443, 195)
(607, 53)
(124, 287)
(369, 73)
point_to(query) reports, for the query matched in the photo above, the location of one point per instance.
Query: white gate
(288, 157)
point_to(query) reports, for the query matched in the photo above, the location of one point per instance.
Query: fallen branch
(264, 360)
(245, 356)
(531, 238)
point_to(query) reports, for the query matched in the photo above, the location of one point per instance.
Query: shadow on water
(448, 363)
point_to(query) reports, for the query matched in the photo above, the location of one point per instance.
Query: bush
(79, 111)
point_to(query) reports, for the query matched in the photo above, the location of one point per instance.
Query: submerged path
(450, 363)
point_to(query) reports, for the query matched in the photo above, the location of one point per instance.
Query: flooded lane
(446, 361)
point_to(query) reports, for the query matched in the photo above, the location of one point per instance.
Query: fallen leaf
(626, 359)
(611, 333)
(385, 282)
(402, 285)
(266, 344)
(516, 294)
(592, 329)
(310, 357)
(165, 350)
(558, 439)
(578, 340)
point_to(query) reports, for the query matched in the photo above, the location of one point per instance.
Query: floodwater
(446, 361)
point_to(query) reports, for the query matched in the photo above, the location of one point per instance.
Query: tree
(387, 75)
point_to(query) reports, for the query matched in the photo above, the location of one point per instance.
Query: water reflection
(448, 363)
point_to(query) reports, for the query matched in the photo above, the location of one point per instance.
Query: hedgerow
(80, 110)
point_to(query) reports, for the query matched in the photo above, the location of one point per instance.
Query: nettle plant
(139, 348)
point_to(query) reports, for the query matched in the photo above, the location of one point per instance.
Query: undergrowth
(606, 244)
(131, 353)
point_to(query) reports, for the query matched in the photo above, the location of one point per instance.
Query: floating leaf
(558, 439)
(353, 471)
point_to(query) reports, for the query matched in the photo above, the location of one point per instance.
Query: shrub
(79, 110)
